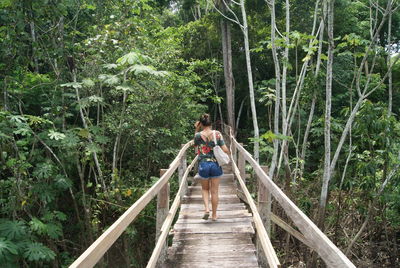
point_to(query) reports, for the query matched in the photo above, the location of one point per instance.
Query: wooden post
(242, 165)
(234, 153)
(162, 212)
(181, 170)
(264, 209)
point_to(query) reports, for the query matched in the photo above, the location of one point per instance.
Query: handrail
(94, 253)
(266, 244)
(332, 255)
(168, 220)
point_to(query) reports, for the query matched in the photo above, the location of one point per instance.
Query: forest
(98, 95)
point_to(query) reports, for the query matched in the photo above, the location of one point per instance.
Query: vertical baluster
(242, 165)
(263, 197)
(162, 212)
(181, 171)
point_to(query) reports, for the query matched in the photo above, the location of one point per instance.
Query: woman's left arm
(225, 149)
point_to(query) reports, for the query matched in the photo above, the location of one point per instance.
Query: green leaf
(54, 230)
(146, 69)
(38, 226)
(93, 148)
(12, 229)
(54, 135)
(110, 66)
(7, 249)
(88, 82)
(72, 84)
(84, 133)
(38, 252)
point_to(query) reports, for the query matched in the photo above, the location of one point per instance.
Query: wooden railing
(95, 252)
(310, 234)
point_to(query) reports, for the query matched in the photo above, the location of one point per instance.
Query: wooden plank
(209, 228)
(203, 241)
(332, 256)
(194, 207)
(219, 221)
(209, 237)
(93, 254)
(221, 264)
(242, 256)
(221, 214)
(202, 249)
(168, 221)
(269, 251)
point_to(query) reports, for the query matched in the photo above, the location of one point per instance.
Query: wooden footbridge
(228, 241)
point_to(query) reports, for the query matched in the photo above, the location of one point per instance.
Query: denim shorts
(209, 169)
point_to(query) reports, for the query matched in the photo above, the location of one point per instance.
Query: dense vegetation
(97, 96)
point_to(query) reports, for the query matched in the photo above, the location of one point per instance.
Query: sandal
(206, 215)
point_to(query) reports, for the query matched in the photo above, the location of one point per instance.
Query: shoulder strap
(215, 139)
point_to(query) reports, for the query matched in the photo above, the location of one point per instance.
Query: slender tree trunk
(227, 58)
(34, 44)
(306, 134)
(95, 157)
(251, 86)
(277, 88)
(390, 82)
(327, 132)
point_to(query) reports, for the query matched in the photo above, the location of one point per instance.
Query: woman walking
(209, 170)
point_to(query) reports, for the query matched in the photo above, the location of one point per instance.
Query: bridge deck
(226, 242)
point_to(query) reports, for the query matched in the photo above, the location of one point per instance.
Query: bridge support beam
(264, 209)
(162, 212)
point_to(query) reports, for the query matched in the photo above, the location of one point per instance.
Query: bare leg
(214, 196)
(205, 193)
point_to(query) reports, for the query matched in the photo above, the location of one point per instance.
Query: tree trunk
(95, 157)
(229, 84)
(251, 87)
(327, 131)
(390, 82)
(277, 89)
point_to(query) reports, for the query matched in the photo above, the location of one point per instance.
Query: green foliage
(38, 252)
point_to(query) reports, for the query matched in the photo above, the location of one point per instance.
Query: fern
(35, 251)
(8, 250)
(12, 229)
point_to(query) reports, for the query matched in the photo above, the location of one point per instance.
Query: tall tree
(328, 104)
(227, 59)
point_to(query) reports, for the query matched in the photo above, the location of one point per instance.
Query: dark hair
(205, 120)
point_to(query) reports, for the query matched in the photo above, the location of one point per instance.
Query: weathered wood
(168, 221)
(181, 171)
(223, 214)
(262, 198)
(200, 207)
(93, 254)
(269, 251)
(214, 248)
(214, 228)
(162, 212)
(220, 264)
(225, 242)
(332, 256)
(242, 165)
(242, 256)
(281, 223)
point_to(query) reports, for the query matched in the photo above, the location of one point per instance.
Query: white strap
(215, 139)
